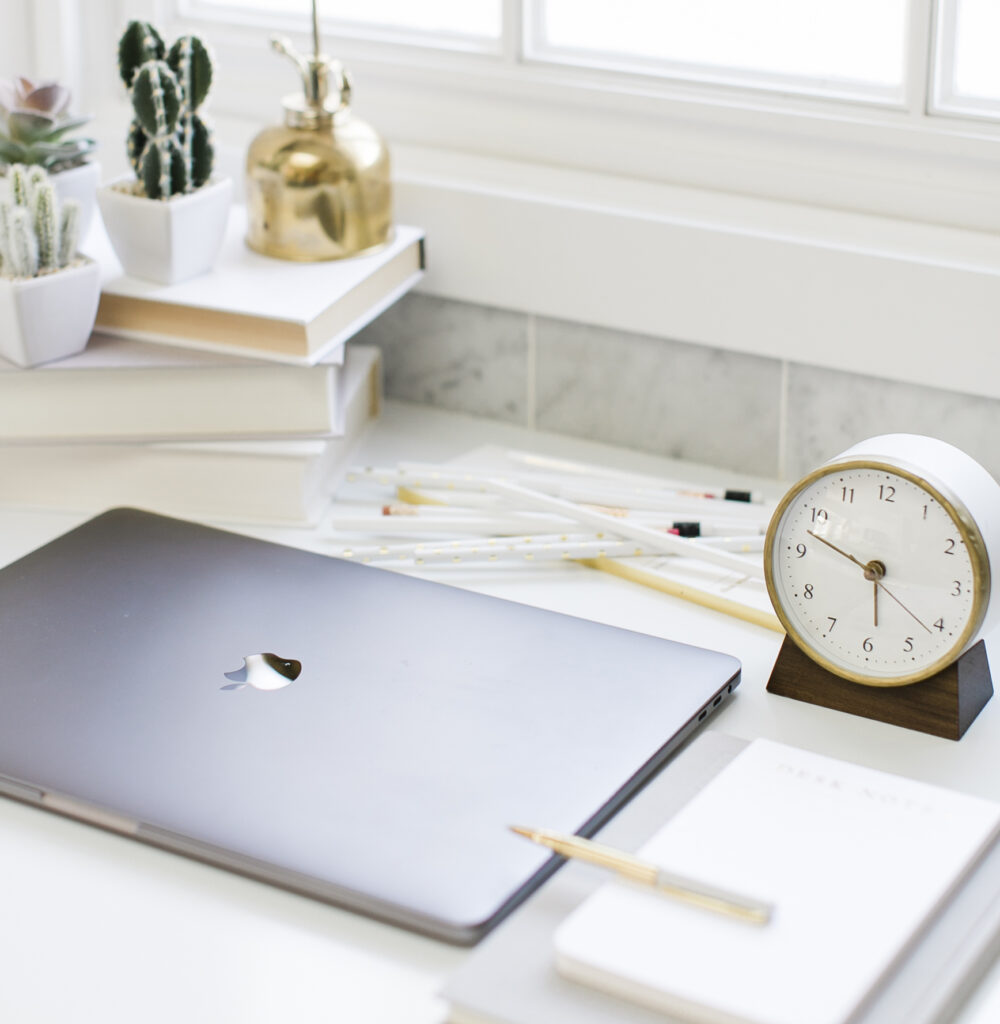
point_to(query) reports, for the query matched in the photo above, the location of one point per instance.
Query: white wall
(16, 44)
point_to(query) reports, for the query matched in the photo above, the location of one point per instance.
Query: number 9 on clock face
(879, 575)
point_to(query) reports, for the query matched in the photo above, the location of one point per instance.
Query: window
(460, 22)
(859, 50)
(848, 48)
(968, 73)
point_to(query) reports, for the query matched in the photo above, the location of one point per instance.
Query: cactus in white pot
(171, 151)
(38, 234)
(48, 292)
(169, 144)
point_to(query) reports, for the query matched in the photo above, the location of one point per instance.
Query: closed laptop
(344, 731)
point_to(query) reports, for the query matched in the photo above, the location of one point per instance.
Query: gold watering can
(318, 186)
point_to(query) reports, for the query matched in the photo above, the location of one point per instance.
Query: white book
(858, 864)
(267, 482)
(258, 305)
(123, 389)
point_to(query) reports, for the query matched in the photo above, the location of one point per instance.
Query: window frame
(943, 99)
(896, 160)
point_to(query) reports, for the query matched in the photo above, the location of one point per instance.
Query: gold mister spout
(318, 71)
(318, 186)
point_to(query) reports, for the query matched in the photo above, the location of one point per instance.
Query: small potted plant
(35, 129)
(168, 222)
(48, 292)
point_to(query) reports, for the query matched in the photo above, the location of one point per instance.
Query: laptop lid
(147, 685)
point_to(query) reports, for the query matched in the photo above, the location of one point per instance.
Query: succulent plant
(36, 235)
(169, 145)
(33, 125)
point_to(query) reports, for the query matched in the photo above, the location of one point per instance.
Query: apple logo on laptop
(264, 672)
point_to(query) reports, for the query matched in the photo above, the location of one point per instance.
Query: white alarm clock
(878, 563)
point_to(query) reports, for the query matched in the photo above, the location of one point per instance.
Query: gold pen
(685, 890)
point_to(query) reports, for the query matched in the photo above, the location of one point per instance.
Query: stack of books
(244, 409)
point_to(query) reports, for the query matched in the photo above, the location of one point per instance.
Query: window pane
(976, 65)
(475, 18)
(815, 45)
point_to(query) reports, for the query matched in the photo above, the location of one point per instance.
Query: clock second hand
(889, 593)
(873, 571)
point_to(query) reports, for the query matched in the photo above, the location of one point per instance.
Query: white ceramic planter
(48, 317)
(170, 240)
(80, 183)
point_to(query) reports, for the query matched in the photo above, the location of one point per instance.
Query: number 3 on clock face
(879, 575)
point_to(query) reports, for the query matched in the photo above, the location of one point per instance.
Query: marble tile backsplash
(726, 409)
(683, 401)
(454, 355)
(829, 410)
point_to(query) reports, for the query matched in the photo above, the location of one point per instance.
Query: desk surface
(98, 927)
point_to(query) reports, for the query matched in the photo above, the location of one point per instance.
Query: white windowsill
(908, 302)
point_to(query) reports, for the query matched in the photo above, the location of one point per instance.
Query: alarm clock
(879, 563)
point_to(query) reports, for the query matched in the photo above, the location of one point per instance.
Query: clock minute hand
(823, 540)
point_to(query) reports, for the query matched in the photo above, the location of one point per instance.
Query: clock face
(875, 573)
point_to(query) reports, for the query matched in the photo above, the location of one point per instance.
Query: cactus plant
(36, 236)
(33, 125)
(168, 143)
(139, 42)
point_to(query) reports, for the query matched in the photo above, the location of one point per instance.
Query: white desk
(98, 927)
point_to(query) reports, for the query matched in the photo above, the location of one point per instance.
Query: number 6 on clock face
(876, 567)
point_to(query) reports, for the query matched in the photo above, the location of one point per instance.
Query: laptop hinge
(19, 790)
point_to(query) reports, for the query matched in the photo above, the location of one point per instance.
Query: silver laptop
(337, 729)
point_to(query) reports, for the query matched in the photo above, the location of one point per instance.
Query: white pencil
(576, 468)
(505, 524)
(449, 480)
(748, 545)
(359, 552)
(495, 554)
(623, 496)
(705, 528)
(431, 497)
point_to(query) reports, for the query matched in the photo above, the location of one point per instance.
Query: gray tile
(674, 399)
(829, 410)
(454, 355)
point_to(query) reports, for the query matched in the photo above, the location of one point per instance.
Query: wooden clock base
(943, 705)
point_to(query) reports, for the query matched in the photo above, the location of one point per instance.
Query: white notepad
(856, 862)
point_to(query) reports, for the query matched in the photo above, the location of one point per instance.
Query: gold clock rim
(959, 514)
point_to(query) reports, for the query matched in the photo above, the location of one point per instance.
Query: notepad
(857, 862)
